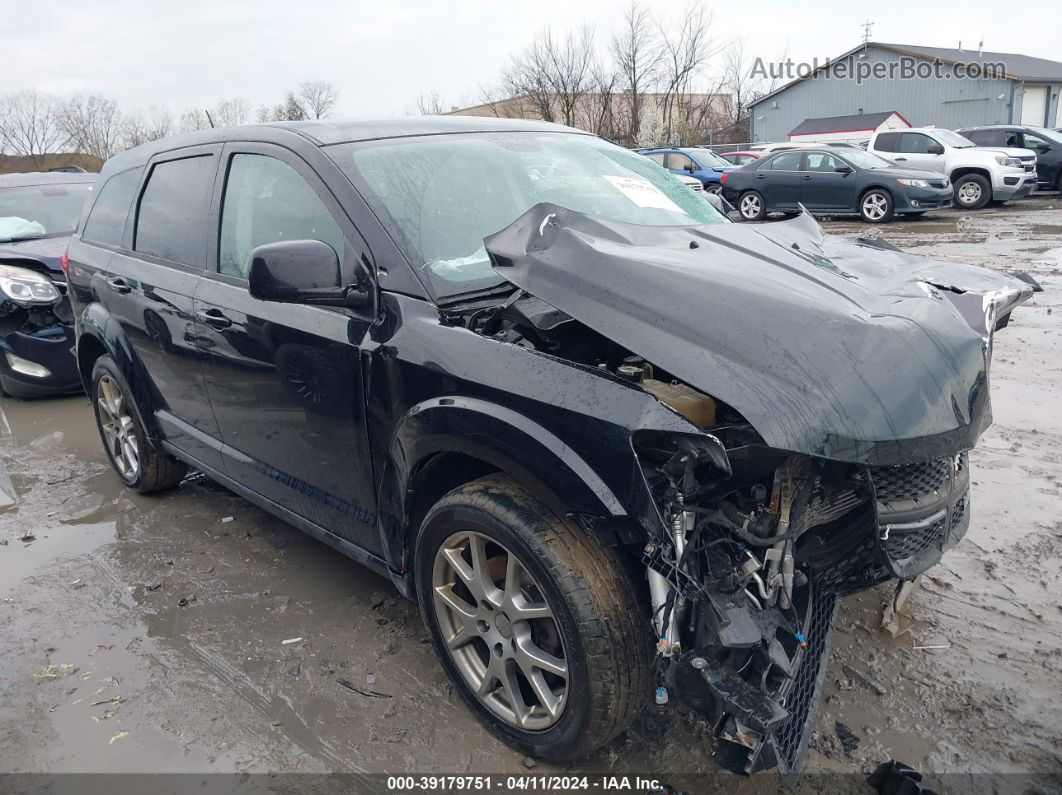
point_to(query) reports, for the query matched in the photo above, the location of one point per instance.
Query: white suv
(980, 174)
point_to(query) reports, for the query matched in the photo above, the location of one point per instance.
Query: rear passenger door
(149, 288)
(780, 180)
(285, 380)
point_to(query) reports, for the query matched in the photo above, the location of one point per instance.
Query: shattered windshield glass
(441, 195)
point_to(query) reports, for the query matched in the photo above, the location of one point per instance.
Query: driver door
(285, 380)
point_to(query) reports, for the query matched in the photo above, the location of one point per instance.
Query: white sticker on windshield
(643, 193)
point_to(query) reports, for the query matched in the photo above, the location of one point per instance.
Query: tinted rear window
(106, 221)
(174, 208)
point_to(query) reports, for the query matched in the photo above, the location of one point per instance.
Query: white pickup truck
(980, 174)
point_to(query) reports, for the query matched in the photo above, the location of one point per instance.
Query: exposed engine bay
(782, 505)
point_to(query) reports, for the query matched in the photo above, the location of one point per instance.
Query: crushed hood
(830, 347)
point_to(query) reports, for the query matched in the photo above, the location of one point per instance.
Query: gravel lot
(156, 634)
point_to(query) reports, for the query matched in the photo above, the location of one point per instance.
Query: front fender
(496, 435)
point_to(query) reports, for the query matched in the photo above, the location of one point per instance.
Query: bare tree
(553, 74)
(291, 109)
(317, 98)
(230, 112)
(430, 104)
(29, 125)
(140, 128)
(687, 48)
(491, 97)
(92, 124)
(636, 54)
(193, 119)
(599, 105)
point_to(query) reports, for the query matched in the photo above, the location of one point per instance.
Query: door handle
(901, 160)
(761, 176)
(213, 318)
(807, 177)
(119, 285)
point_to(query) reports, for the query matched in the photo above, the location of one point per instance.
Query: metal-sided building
(927, 85)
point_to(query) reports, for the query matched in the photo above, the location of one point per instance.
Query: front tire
(751, 206)
(141, 466)
(533, 620)
(876, 206)
(714, 187)
(972, 192)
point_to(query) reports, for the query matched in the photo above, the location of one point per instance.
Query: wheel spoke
(477, 547)
(529, 654)
(511, 685)
(445, 595)
(465, 634)
(545, 696)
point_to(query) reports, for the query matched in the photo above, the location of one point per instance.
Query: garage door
(1034, 105)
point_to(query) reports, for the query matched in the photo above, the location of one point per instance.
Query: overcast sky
(382, 55)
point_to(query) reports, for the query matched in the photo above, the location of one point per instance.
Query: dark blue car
(38, 213)
(704, 164)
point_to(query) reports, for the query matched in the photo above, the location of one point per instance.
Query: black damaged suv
(612, 443)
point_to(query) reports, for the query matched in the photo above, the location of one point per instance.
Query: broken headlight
(26, 287)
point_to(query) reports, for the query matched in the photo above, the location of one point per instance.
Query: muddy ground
(148, 634)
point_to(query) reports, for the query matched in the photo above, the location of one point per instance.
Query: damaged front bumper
(36, 352)
(745, 623)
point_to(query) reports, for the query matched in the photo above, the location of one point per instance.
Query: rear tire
(715, 187)
(751, 206)
(585, 616)
(972, 192)
(141, 466)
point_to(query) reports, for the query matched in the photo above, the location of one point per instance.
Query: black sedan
(830, 181)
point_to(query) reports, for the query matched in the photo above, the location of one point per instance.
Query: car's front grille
(922, 511)
(938, 183)
(907, 481)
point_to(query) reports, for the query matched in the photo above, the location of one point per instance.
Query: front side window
(106, 221)
(820, 161)
(440, 196)
(172, 218)
(36, 211)
(680, 162)
(1030, 142)
(915, 143)
(658, 157)
(267, 201)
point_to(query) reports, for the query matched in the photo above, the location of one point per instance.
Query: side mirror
(844, 170)
(935, 149)
(1042, 147)
(301, 272)
(690, 167)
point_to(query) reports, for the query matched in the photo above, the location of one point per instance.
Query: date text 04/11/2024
(521, 783)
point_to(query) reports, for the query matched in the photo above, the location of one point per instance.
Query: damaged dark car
(38, 213)
(618, 448)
